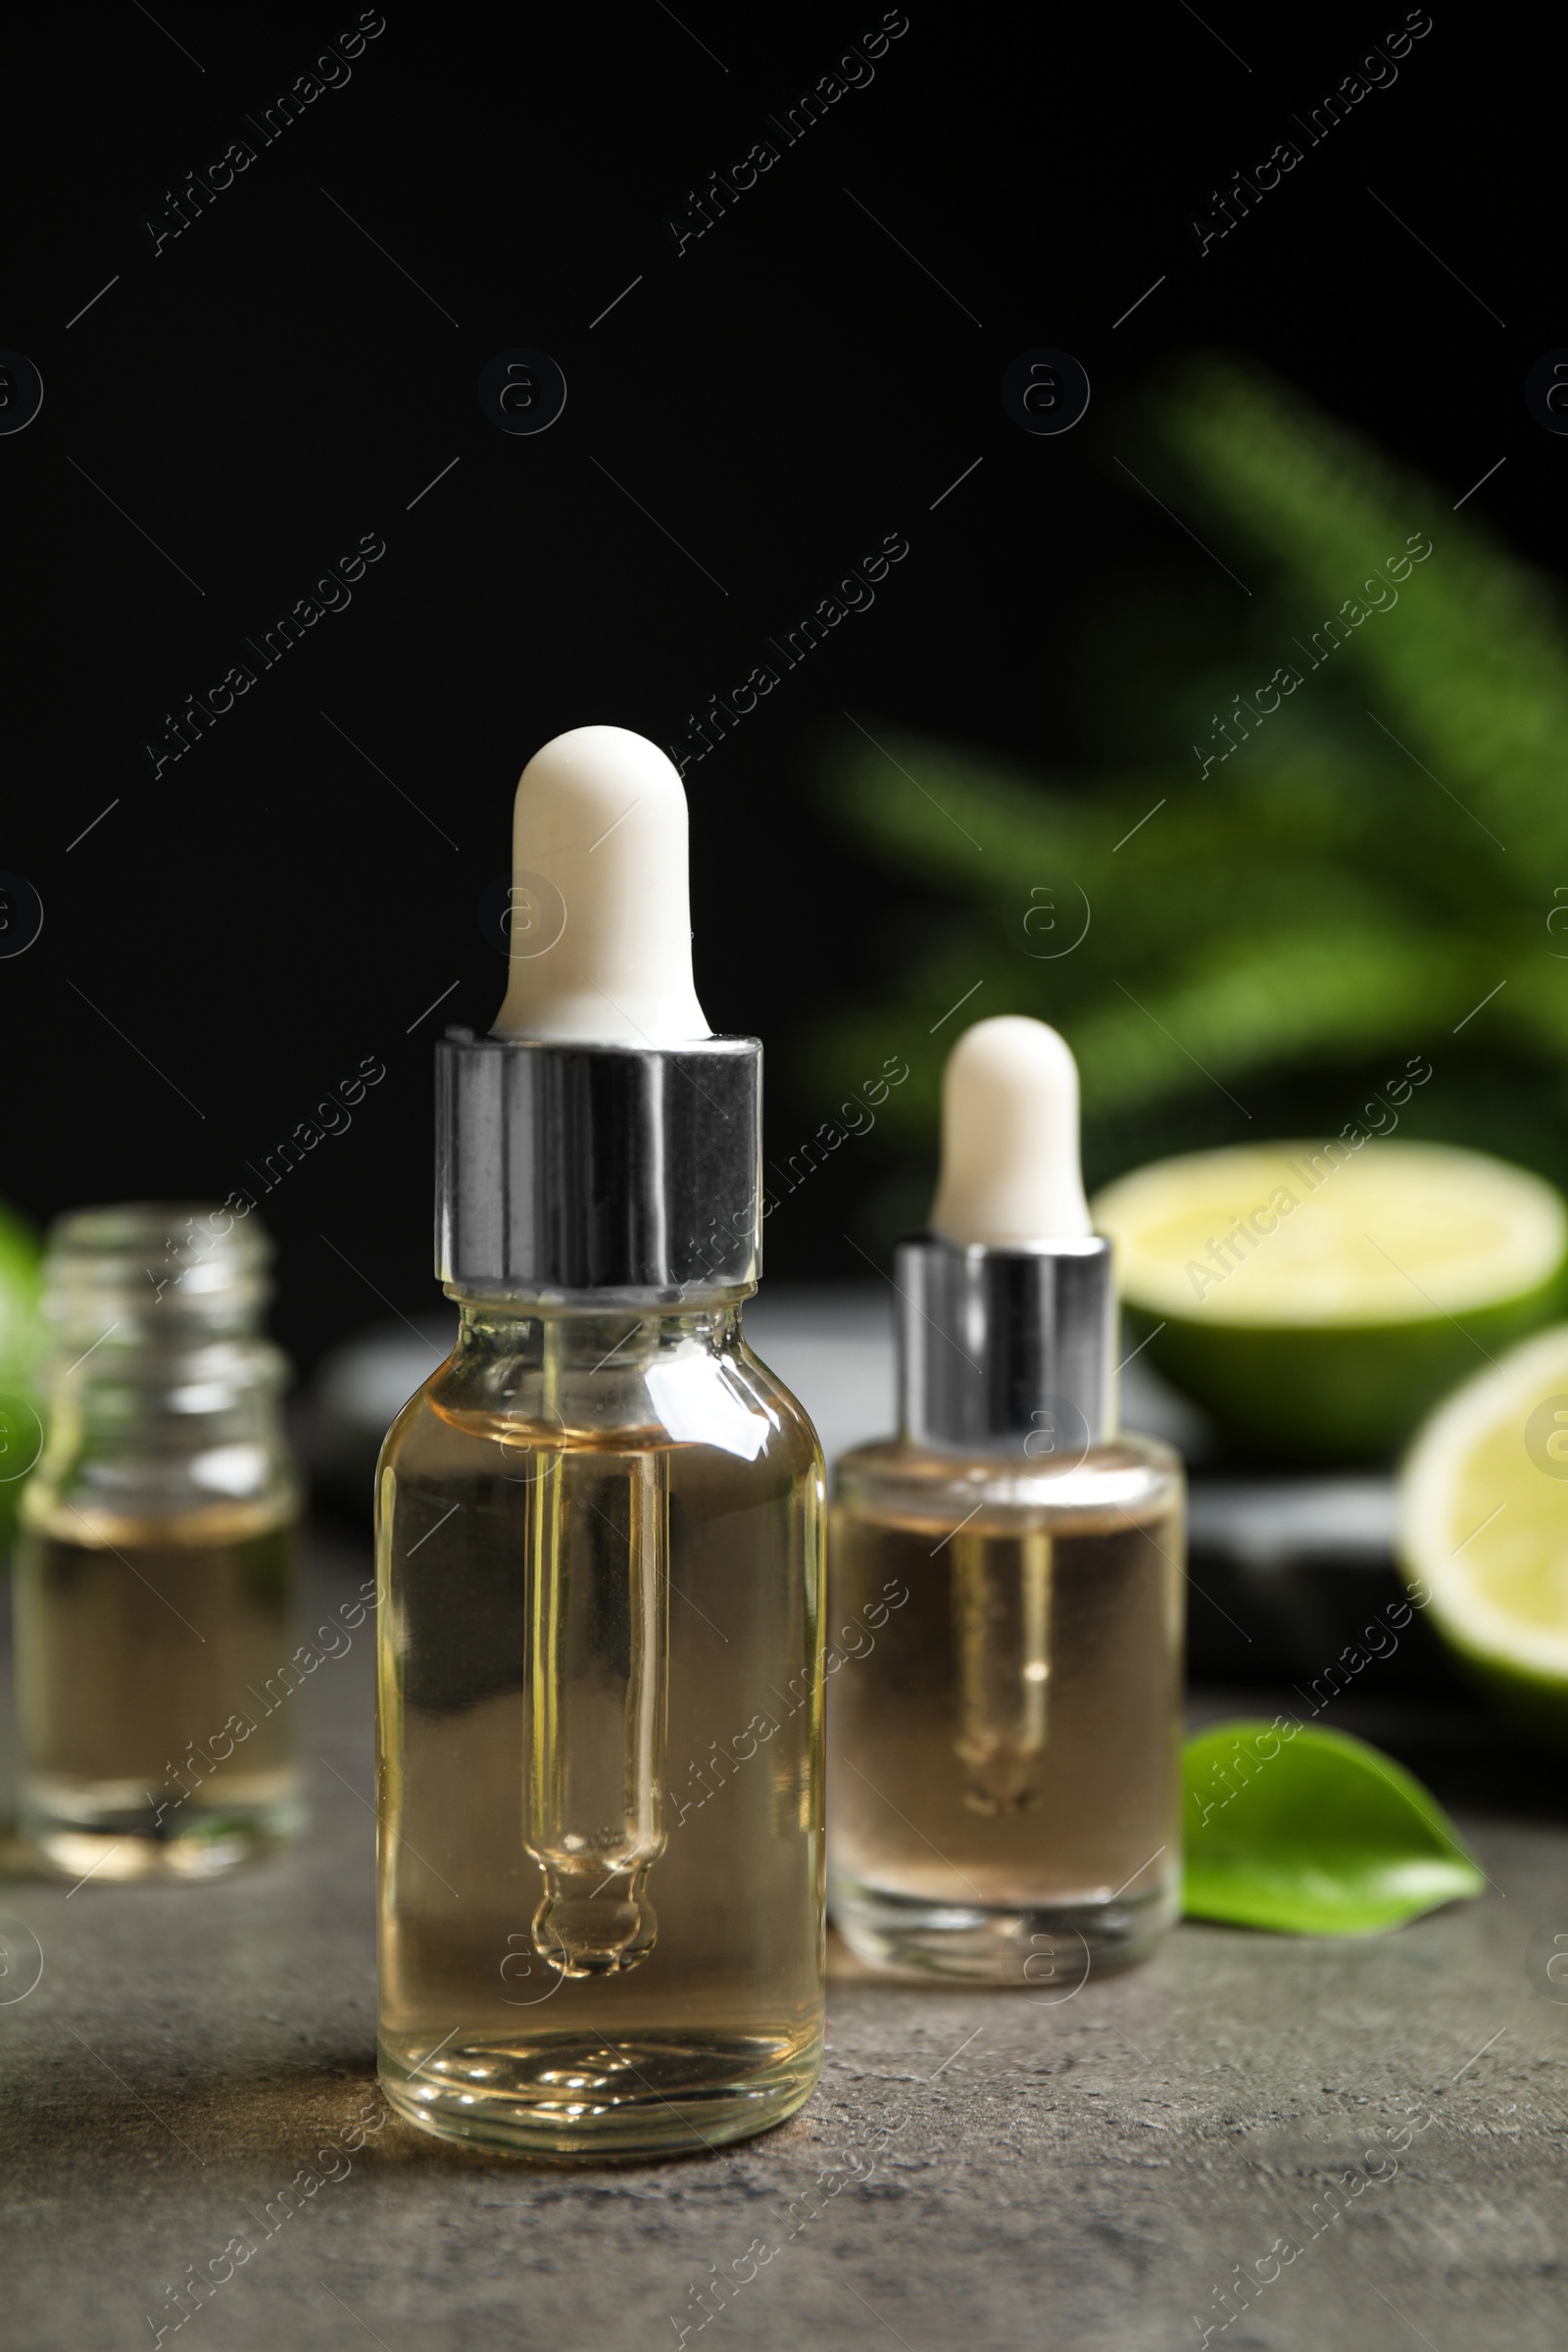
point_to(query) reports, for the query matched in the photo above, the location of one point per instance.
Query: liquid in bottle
(1005, 1756)
(600, 1532)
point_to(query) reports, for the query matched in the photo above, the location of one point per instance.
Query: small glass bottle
(599, 1546)
(155, 1586)
(1006, 1580)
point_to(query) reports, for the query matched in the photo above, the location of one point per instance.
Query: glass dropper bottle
(1004, 1753)
(156, 1581)
(599, 1546)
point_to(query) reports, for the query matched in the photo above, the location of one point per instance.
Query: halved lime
(1318, 1297)
(1483, 1526)
(22, 1345)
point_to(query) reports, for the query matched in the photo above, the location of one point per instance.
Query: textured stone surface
(989, 2169)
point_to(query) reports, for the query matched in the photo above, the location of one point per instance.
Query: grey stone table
(1373, 2132)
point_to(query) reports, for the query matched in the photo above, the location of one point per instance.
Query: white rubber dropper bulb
(1010, 1169)
(600, 900)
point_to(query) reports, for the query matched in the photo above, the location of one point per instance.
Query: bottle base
(1048, 1949)
(137, 1850)
(579, 2098)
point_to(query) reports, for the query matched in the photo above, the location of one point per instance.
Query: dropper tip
(1010, 1169)
(600, 908)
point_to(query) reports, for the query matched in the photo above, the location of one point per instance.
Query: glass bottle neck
(148, 1271)
(579, 1339)
(579, 1373)
(163, 1387)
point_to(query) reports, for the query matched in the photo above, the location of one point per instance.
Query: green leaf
(1313, 1832)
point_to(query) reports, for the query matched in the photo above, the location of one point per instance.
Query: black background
(270, 386)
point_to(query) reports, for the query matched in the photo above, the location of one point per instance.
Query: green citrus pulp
(1317, 1299)
(21, 1347)
(1484, 1528)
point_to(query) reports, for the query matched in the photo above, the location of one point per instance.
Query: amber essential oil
(600, 1738)
(154, 1665)
(1005, 1798)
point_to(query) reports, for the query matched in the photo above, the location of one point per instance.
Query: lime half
(1318, 1297)
(1484, 1528)
(21, 1345)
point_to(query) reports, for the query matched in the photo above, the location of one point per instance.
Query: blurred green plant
(1368, 863)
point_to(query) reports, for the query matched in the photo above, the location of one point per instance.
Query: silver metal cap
(1006, 1349)
(599, 1175)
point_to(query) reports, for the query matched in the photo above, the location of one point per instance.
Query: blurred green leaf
(1313, 1832)
(1365, 865)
